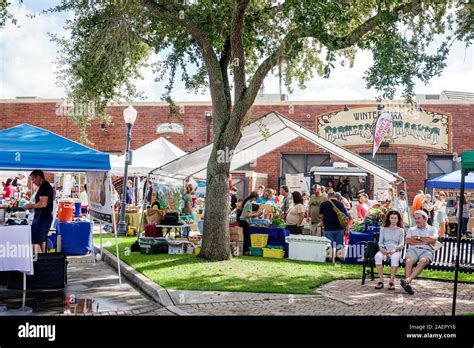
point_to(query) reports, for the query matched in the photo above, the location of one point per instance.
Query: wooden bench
(444, 258)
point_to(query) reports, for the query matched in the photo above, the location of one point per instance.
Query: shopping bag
(154, 216)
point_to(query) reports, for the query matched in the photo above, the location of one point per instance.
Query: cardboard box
(236, 234)
(236, 237)
(236, 230)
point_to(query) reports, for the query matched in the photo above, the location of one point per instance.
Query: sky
(27, 67)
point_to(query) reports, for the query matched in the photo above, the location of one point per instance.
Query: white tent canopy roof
(279, 131)
(147, 157)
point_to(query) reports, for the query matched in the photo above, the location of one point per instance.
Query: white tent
(278, 131)
(147, 157)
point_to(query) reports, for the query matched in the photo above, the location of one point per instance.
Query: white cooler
(307, 248)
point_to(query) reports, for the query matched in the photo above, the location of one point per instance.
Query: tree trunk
(215, 242)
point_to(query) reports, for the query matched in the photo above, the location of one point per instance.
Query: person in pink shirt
(7, 189)
(362, 207)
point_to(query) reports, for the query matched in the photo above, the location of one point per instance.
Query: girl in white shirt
(439, 220)
(295, 216)
(391, 241)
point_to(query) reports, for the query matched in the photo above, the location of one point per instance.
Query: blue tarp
(451, 181)
(25, 147)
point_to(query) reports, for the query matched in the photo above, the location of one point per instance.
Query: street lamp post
(129, 115)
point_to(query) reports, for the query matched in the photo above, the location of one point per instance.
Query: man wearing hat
(313, 210)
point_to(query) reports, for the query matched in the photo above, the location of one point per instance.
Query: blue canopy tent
(26, 147)
(451, 181)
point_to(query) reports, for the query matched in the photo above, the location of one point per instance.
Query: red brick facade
(411, 162)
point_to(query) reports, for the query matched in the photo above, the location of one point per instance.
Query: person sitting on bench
(420, 240)
(391, 242)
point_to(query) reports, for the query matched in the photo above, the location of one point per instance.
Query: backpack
(343, 219)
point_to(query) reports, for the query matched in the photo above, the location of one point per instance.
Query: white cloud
(27, 56)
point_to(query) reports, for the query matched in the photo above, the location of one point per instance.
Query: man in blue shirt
(266, 198)
(332, 227)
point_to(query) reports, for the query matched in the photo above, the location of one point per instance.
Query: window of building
(385, 160)
(302, 163)
(438, 165)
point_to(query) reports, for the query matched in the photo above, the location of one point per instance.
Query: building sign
(409, 127)
(169, 128)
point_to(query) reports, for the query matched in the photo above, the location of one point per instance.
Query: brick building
(421, 147)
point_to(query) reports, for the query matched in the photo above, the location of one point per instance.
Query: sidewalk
(341, 297)
(86, 280)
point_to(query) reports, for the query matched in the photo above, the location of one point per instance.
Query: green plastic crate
(256, 251)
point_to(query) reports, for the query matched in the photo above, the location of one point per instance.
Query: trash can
(307, 248)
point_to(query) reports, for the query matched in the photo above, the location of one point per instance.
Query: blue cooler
(76, 237)
(52, 241)
(77, 209)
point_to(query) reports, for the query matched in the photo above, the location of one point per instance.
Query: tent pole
(114, 226)
(458, 242)
(143, 207)
(410, 220)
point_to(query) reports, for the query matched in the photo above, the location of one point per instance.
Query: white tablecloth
(16, 252)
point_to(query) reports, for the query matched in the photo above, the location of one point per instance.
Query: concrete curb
(156, 292)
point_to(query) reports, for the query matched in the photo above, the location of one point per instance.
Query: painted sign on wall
(410, 127)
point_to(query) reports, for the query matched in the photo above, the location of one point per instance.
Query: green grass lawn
(247, 273)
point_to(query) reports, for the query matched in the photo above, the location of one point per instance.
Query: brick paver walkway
(348, 297)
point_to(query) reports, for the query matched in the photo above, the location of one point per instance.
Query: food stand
(451, 185)
(279, 131)
(26, 148)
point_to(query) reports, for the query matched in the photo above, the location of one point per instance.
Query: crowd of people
(12, 190)
(322, 211)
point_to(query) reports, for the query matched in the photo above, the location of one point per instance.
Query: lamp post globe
(129, 116)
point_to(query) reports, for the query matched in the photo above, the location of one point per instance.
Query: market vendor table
(16, 253)
(356, 245)
(178, 228)
(276, 235)
(17, 238)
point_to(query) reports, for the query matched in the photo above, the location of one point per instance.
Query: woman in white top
(295, 216)
(391, 241)
(439, 220)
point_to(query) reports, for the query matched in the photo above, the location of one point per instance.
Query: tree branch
(224, 64)
(330, 41)
(237, 47)
(336, 43)
(169, 12)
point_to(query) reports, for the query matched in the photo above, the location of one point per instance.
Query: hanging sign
(295, 182)
(382, 126)
(100, 195)
(409, 127)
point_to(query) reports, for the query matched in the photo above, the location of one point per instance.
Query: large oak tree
(230, 46)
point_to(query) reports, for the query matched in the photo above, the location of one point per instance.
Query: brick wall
(411, 162)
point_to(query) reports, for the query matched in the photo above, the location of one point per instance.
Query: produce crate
(256, 251)
(274, 253)
(259, 240)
